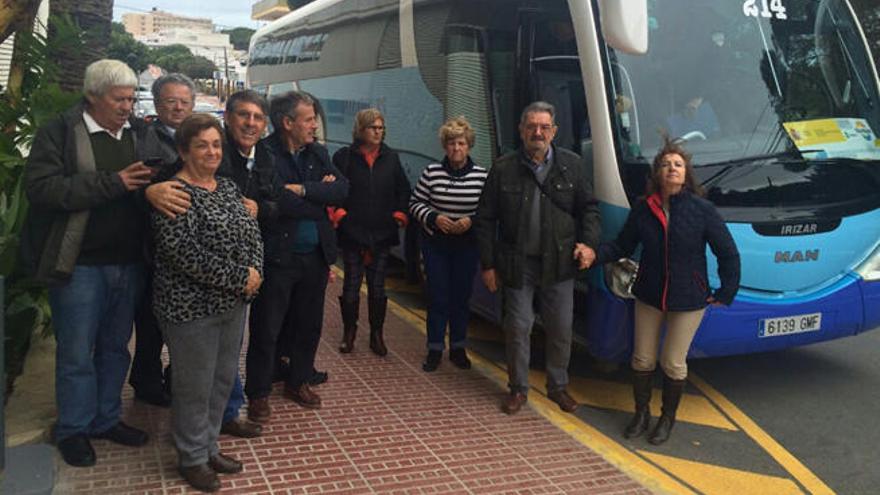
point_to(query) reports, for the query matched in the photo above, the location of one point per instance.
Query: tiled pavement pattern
(385, 427)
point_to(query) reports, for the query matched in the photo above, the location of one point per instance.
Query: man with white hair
(83, 239)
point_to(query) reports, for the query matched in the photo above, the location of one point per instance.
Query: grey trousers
(204, 360)
(556, 304)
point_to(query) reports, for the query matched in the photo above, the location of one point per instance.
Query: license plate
(787, 325)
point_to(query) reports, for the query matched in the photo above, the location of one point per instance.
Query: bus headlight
(620, 276)
(869, 270)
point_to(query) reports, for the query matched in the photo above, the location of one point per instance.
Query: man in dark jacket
(83, 238)
(537, 225)
(174, 96)
(248, 164)
(299, 247)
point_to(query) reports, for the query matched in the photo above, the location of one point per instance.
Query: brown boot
(222, 463)
(349, 324)
(377, 307)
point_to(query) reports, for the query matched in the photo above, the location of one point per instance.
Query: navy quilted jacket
(672, 270)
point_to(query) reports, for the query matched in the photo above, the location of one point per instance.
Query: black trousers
(146, 366)
(291, 297)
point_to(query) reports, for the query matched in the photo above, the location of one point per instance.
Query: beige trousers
(680, 329)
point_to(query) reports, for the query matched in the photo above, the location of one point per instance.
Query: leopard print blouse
(202, 256)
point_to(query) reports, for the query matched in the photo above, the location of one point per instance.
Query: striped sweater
(442, 190)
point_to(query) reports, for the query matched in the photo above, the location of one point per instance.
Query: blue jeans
(450, 271)
(236, 399)
(92, 316)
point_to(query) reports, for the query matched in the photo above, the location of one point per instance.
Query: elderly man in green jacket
(537, 225)
(83, 239)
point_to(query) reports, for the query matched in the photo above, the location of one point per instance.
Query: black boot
(377, 308)
(349, 324)
(640, 421)
(672, 390)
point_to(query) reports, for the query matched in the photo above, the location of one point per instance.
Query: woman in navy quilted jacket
(673, 224)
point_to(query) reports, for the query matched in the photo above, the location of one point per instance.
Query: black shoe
(159, 399)
(124, 435)
(459, 358)
(432, 361)
(77, 451)
(318, 377)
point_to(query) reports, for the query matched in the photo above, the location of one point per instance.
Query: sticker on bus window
(834, 138)
(767, 9)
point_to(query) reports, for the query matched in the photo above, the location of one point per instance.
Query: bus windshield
(737, 79)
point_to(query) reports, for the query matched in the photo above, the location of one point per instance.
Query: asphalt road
(821, 402)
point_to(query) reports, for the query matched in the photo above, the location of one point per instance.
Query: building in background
(156, 21)
(269, 10)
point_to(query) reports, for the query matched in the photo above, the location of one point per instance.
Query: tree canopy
(240, 37)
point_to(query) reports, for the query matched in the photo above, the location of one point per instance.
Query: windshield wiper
(728, 165)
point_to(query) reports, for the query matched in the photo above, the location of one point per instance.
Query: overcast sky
(225, 13)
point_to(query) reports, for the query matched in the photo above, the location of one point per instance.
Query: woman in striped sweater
(444, 202)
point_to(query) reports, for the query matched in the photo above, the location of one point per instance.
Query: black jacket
(375, 193)
(279, 230)
(62, 186)
(502, 217)
(672, 271)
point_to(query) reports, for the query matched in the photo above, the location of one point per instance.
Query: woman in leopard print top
(209, 263)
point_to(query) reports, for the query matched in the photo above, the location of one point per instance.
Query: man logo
(797, 256)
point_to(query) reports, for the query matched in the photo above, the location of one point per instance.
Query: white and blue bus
(776, 99)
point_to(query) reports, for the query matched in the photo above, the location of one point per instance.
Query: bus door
(551, 68)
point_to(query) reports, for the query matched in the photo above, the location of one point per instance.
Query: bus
(777, 100)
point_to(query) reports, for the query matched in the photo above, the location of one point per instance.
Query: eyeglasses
(378, 128)
(259, 117)
(540, 127)
(174, 101)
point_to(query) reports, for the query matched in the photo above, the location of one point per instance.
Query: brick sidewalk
(385, 427)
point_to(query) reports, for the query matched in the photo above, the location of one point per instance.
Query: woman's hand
(254, 281)
(714, 302)
(463, 224)
(445, 224)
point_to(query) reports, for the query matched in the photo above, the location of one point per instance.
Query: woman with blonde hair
(369, 223)
(444, 203)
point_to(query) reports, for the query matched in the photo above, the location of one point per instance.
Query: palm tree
(94, 17)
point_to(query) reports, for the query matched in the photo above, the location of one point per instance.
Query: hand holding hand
(328, 178)
(714, 302)
(168, 198)
(584, 255)
(463, 224)
(445, 224)
(135, 175)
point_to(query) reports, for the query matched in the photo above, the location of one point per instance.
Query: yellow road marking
(789, 462)
(400, 285)
(611, 395)
(717, 480)
(624, 459)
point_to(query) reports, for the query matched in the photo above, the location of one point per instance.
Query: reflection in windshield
(730, 83)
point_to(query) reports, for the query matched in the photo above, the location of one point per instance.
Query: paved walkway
(385, 427)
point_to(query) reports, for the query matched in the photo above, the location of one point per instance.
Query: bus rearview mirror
(625, 25)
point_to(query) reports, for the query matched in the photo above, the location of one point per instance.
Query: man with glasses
(299, 245)
(173, 95)
(248, 164)
(537, 226)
